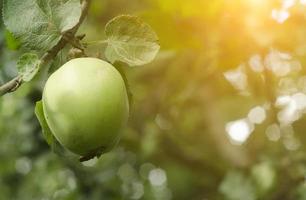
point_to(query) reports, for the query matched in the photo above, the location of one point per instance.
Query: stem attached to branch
(16, 82)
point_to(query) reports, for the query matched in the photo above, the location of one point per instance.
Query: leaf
(39, 24)
(120, 69)
(28, 66)
(49, 137)
(10, 41)
(130, 40)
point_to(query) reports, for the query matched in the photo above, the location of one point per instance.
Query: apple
(86, 106)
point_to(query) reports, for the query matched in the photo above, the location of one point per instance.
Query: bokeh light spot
(157, 177)
(257, 115)
(273, 132)
(239, 130)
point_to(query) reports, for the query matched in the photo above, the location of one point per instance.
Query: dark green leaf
(39, 24)
(130, 40)
(49, 137)
(28, 66)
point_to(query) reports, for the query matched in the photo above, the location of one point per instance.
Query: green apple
(86, 106)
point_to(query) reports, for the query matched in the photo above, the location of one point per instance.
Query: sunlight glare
(280, 15)
(256, 3)
(288, 3)
(239, 131)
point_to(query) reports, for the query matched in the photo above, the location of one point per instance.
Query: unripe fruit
(86, 106)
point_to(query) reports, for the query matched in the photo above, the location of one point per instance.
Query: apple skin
(86, 106)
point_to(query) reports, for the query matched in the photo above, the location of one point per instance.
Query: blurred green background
(219, 114)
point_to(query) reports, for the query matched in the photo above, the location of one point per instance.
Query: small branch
(16, 82)
(11, 86)
(80, 37)
(73, 41)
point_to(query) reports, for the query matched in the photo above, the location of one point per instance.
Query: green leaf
(10, 41)
(39, 24)
(28, 66)
(120, 69)
(130, 40)
(49, 137)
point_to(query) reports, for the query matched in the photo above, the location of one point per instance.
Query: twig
(74, 41)
(10, 86)
(16, 82)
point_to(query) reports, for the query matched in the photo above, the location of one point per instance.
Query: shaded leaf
(49, 137)
(39, 24)
(28, 66)
(130, 40)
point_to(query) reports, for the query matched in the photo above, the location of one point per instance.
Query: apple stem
(94, 153)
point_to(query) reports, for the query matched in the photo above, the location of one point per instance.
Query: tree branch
(11, 86)
(16, 82)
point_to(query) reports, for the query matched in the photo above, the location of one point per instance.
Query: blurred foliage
(219, 114)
